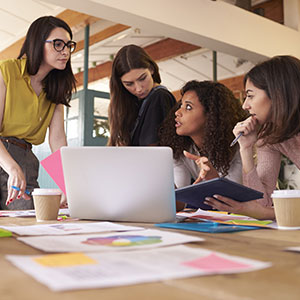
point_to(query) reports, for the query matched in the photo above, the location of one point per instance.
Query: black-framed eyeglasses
(59, 45)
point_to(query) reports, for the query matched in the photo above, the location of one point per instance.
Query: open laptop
(120, 183)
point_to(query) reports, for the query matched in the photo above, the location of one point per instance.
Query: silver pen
(236, 139)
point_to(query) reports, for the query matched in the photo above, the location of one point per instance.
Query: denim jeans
(30, 166)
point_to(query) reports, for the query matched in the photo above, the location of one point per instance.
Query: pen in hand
(18, 189)
(236, 139)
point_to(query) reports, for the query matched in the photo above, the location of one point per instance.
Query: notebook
(132, 184)
(195, 194)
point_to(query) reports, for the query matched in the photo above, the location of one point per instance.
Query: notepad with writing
(195, 194)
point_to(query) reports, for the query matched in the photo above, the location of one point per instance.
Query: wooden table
(281, 281)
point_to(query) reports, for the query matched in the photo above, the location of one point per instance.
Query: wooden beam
(169, 48)
(102, 35)
(272, 10)
(159, 51)
(74, 19)
(235, 84)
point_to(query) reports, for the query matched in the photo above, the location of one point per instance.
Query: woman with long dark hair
(33, 89)
(273, 129)
(138, 102)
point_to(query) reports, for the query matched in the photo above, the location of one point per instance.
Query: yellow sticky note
(64, 260)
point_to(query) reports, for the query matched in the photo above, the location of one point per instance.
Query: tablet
(195, 194)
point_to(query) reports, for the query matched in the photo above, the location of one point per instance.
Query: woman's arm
(7, 163)
(57, 136)
(250, 208)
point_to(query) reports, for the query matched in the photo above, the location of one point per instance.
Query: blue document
(195, 194)
(206, 227)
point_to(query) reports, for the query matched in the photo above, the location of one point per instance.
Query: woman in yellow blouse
(33, 90)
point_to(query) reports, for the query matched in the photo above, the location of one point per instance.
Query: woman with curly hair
(200, 133)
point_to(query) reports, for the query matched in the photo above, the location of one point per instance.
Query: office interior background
(192, 39)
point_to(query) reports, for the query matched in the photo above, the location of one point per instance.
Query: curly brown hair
(222, 111)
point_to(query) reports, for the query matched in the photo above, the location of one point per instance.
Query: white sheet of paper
(70, 271)
(27, 213)
(109, 242)
(63, 228)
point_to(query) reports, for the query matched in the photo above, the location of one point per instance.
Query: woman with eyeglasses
(33, 89)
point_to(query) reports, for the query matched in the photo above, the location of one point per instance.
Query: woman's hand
(63, 201)
(249, 128)
(207, 171)
(16, 178)
(249, 208)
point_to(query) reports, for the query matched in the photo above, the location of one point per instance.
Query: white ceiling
(17, 15)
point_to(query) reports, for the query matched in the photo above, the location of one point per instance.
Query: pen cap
(37, 192)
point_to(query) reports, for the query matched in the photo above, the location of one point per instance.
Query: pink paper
(215, 263)
(53, 166)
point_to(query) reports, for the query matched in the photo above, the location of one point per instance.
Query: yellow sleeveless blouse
(26, 115)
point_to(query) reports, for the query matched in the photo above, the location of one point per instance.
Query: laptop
(132, 184)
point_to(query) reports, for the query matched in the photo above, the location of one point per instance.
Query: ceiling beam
(215, 25)
(159, 51)
(102, 35)
(74, 19)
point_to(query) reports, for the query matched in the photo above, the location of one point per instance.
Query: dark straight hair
(279, 77)
(58, 84)
(123, 108)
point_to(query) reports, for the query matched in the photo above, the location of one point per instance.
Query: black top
(156, 108)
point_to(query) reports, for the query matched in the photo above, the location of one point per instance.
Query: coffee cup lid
(286, 194)
(46, 192)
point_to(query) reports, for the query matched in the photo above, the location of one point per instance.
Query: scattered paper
(133, 240)
(71, 271)
(211, 227)
(225, 218)
(69, 228)
(27, 213)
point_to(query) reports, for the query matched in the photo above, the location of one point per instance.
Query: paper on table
(133, 240)
(211, 227)
(224, 218)
(69, 228)
(27, 213)
(100, 270)
(53, 166)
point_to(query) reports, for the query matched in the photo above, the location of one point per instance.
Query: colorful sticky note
(53, 166)
(213, 262)
(64, 260)
(5, 233)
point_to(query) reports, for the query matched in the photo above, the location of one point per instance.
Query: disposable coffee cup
(46, 203)
(287, 208)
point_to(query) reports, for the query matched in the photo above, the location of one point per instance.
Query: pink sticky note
(53, 166)
(214, 262)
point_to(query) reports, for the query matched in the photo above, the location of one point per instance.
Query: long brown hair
(222, 112)
(279, 77)
(58, 84)
(123, 108)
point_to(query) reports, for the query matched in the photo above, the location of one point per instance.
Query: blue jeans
(30, 167)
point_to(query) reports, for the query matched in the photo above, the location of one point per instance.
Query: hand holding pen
(246, 132)
(27, 192)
